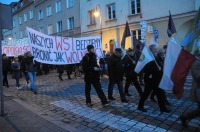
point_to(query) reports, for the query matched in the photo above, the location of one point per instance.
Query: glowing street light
(98, 14)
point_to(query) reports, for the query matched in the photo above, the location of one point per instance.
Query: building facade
(53, 17)
(75, 18)
(115, 13)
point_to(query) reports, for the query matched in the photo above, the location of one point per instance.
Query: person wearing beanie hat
(92, 76)
(89, 47)
(115, 73)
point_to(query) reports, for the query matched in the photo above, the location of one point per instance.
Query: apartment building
(53, 17)
(76, 18)
(115, 13)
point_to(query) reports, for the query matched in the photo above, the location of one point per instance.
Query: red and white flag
(176, 67)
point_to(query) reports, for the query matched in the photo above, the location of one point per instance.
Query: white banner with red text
(61, 50)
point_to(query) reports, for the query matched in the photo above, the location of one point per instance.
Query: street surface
(63, 104)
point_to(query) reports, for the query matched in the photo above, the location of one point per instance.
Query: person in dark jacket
(152, 75)
(160, 58)
(5, 66)
(102, 62)
(131, 76)
(60, 70)
(115, 73)
(24, 70)
(92, 76)
(31, 69)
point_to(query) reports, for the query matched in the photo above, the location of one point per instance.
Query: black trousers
(133, 80)
(119, 86)
(192, 114)
(97, 87)
(149, 87)
(163, 95)
(5, 79)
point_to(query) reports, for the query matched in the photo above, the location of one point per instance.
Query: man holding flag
(152, 75)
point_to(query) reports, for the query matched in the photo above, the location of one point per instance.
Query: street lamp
(97, 13)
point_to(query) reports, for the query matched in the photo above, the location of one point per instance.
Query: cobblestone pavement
(63, 102)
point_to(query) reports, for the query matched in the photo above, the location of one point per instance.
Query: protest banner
(61, 50)
(12, 51)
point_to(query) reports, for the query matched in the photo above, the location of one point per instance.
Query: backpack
(81, 62)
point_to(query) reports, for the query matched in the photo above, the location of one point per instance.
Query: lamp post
(98, 14)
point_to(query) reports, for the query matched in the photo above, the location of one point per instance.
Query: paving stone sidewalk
(20, 119)
(63, 103)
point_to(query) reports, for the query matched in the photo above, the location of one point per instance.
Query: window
(111, 12)
(49, 10)
(59, 26)
(40, 14)
(20, 33)
(25, 32)
(135, 6)
(70, 3)
(41, 30)
(58, 6)
(14, 23)
(137, 34)
(92, 17)
(31, 14)
(25, 17)
(20, 20)
(71, 23)
(50, 29)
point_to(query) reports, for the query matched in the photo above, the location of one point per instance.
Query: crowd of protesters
(112, 65)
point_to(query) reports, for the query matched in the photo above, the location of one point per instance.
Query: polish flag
(176, 67)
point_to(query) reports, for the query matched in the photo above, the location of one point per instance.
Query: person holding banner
(31, 68)
(152, 76)
(115, 73)
(92, 76)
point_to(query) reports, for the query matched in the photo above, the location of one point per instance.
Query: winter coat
(195, 81)
(15, 66)
(30, 65)
(60, 68)
(152, 74)
(89, 61)
(115, 68)
(6, 65)
(129, 66)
